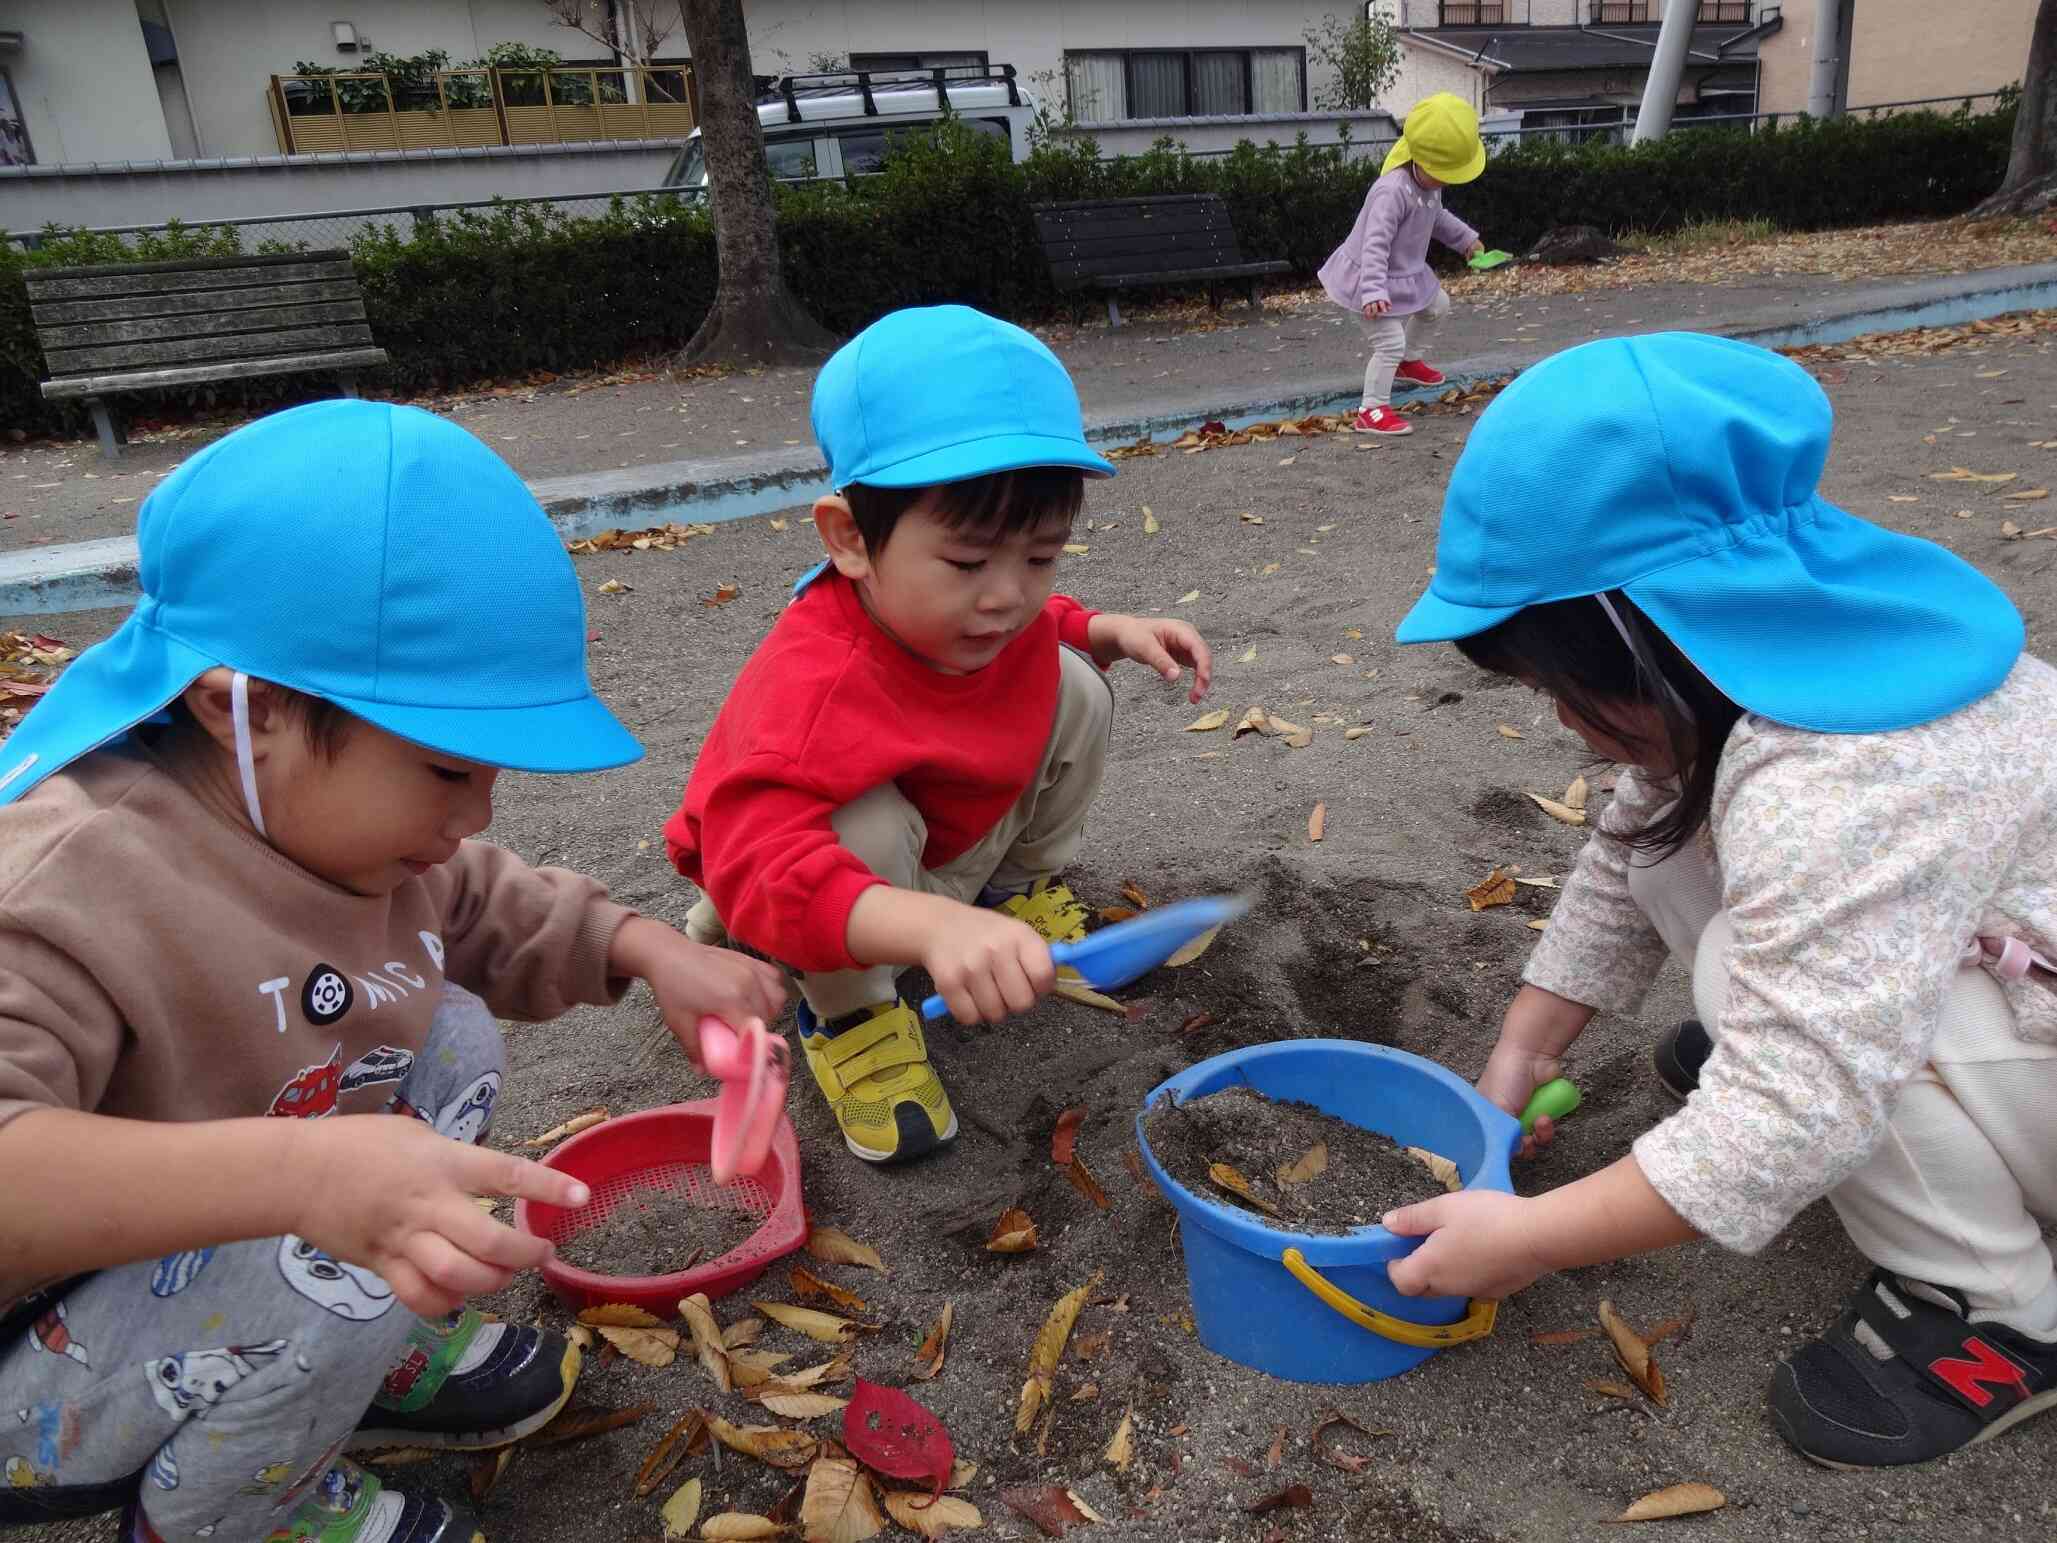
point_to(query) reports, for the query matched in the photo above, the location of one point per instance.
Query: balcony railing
(1618, 13)
(453, 109)
(1471, 13)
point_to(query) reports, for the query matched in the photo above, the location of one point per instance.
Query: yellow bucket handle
(1475, 1324)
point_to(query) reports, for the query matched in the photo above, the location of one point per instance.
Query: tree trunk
(2031, 181)
(754, 320)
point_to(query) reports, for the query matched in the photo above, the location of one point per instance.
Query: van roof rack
(789, 88)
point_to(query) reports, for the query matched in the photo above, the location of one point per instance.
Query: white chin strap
(246, 765)
(1621, 627)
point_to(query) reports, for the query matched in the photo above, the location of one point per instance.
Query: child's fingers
(473, 1232)
(766, 991)
(449, 1269)
(1203, 663)
(1015, 989)
(1413, 1221)
(415, 1292)
(483, 1172)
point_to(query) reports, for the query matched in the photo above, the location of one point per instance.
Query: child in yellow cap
(1381, 274)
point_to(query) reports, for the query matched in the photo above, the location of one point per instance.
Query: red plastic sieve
(668, 1149)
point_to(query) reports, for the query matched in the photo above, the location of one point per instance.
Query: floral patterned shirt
(1855, 870)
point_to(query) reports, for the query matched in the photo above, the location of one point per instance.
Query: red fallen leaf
(1063, 1140)
(1349, 1462)
(1239, 1467)
(1214, 426)
(1292, 1494)
(592, 637)
(886, 1430)
(1048, 1506)
(1133, 1161)
(1196, 1023)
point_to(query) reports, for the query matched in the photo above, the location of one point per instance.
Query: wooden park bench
(1128, 243)
(117, 327)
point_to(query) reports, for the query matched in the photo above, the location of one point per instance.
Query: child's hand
(1478, 1246)
(1375, 308)
(388, 1193)
(1511, 1078)
(1158, 641)
(690, 979)
(1476, 248)
(986, 965)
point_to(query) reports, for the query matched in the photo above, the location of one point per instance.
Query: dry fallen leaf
(1049, 1347)
(1676, 1500)
(676, 1445)
(773, 1444)
(826, 1327)
(1053, 1509)
(1083, 1181)
(1064, 1135)
(1902, 498)
(1310, 1164)
(577, 1424)
(485, 1472)
(1086, 996)
(1294, 735)
(1508, 731)
(1186, 953)
(1441, 1167)
(1496, 888)
(739, 1527)
(723, 594)
(707, 1341)
(1089, 1347)
(2027, 495)
(1357, 733)
(614, 587)
(1607, 1387)
(1121, 1451)
(620, 1315)
(1291, 1495)
(647, 1347)
(928, 1360)
(402, 1457)
(1207, 723)
(570, 1127)
(1133, 894)
(1255, 721)
(1633, 1354)
(1189, 597)
(1560, 1336)
(1232, 1181)
(1557, 811)
(1013, 1233)
(806, 1283)
(1150, 525)
(947, 1514)
(797, 1403)
(1575, 795)
(832, 1245)
(1077, 548)
(1276, 1452)
(682, 1511)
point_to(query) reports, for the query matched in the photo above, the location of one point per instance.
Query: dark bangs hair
(1570, 650)
(997, 504)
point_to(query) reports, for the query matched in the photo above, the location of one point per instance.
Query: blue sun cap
(375, 556)
(1682, 469)
(944, 393)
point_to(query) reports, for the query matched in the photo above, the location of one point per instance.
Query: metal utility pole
(1667, 68)
(1828, 35)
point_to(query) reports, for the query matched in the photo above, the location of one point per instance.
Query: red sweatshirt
(828, 708)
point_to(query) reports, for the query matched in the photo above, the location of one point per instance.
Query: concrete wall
(1904, 50)
(82, 81)
(1425, 70)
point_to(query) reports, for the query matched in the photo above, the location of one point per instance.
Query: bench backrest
(147, 316)
(1169, 233)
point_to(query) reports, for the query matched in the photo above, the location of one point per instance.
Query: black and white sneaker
(1679, 1057)
(470, 1385)
(1905, 1377)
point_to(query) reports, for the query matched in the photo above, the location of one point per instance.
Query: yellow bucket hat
(1441, 137)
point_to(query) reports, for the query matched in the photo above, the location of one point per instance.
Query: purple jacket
(1385, 256)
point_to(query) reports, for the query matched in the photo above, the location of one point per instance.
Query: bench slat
(1123, 224)
(213, 324)
(1159, 261)
(56, 284)
(246, 345)
(1174, 276)
(1164, 199)
(147, 380)
(1116, 246)
(56, 313)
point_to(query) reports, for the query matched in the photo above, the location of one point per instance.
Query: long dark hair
(1571, 650)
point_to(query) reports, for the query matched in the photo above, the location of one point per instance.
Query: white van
(840, 125)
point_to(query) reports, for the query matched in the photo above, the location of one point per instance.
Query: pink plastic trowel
(754, 1066)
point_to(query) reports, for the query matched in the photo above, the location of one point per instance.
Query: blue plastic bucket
(1321, 1309)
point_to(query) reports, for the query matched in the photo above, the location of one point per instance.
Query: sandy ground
(1365, 935)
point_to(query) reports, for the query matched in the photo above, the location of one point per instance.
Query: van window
(790, 158)
(865, 149)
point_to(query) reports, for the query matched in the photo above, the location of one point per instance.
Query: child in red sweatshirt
(906, 762)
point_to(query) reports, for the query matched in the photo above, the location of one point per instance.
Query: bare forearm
(115, 1191)
(1543, 1023)
(897, 926)
(1606, 1215)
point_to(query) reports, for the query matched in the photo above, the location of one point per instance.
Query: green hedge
(524, 287)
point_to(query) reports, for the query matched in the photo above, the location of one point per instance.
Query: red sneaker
(1381, 420)
(1420, 372)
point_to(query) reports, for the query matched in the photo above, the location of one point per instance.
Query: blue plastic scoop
(1116, 955)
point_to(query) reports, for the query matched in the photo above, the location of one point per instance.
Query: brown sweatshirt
(161, 962)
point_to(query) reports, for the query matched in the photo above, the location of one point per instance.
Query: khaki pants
(1958, 1192)
(1038, 836)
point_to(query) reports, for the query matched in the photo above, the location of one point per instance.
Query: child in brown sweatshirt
(236, 883)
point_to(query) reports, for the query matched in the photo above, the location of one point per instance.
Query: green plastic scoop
(1556, 1099)
(1486, 262)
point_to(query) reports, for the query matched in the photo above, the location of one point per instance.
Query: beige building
(1901, 51)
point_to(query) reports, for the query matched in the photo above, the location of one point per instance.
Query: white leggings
(1394, 338)
(1958, 1192)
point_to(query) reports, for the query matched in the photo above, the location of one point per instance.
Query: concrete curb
(89, 574)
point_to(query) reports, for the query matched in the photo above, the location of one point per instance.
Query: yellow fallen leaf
(1902, 498)
(839, 1506)
(806, 1283)
(1496, 888)
(1342, 658)
(1248, 518)
(832, 1245)
(1086, 996)
(913, 1511)
(1207, 723)
(708, 1343)
(826, 1327)
(1359, 732)
(743, 1331)
(1310, 1164)
(570, 1127)
(614, 587)
(1557, 811)
(1077, 548)
(1675, 1500)
(1014, 1233)
(1633, 1353)
(928, 1360)
(772, 1444)
(1575, 795)
(1187, 953)
(1538, 924)
(621, 1315)
(961, 1474)
(797, 1403)
(1289, 460)
(1049, 1349)
(1189, 597)
(1255, 721)
(1121, 1451)
(1317, 822)
(739, 1527)
(402, 1457)
(1508, 731)
(581, 1336)
(486, 1470)
(1248, 656)
(2027, 495)
(647, 1347)
(2009, 529)
(682, 1511)
(1232, 1181)
(1445, 1171)
(1150, 525)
